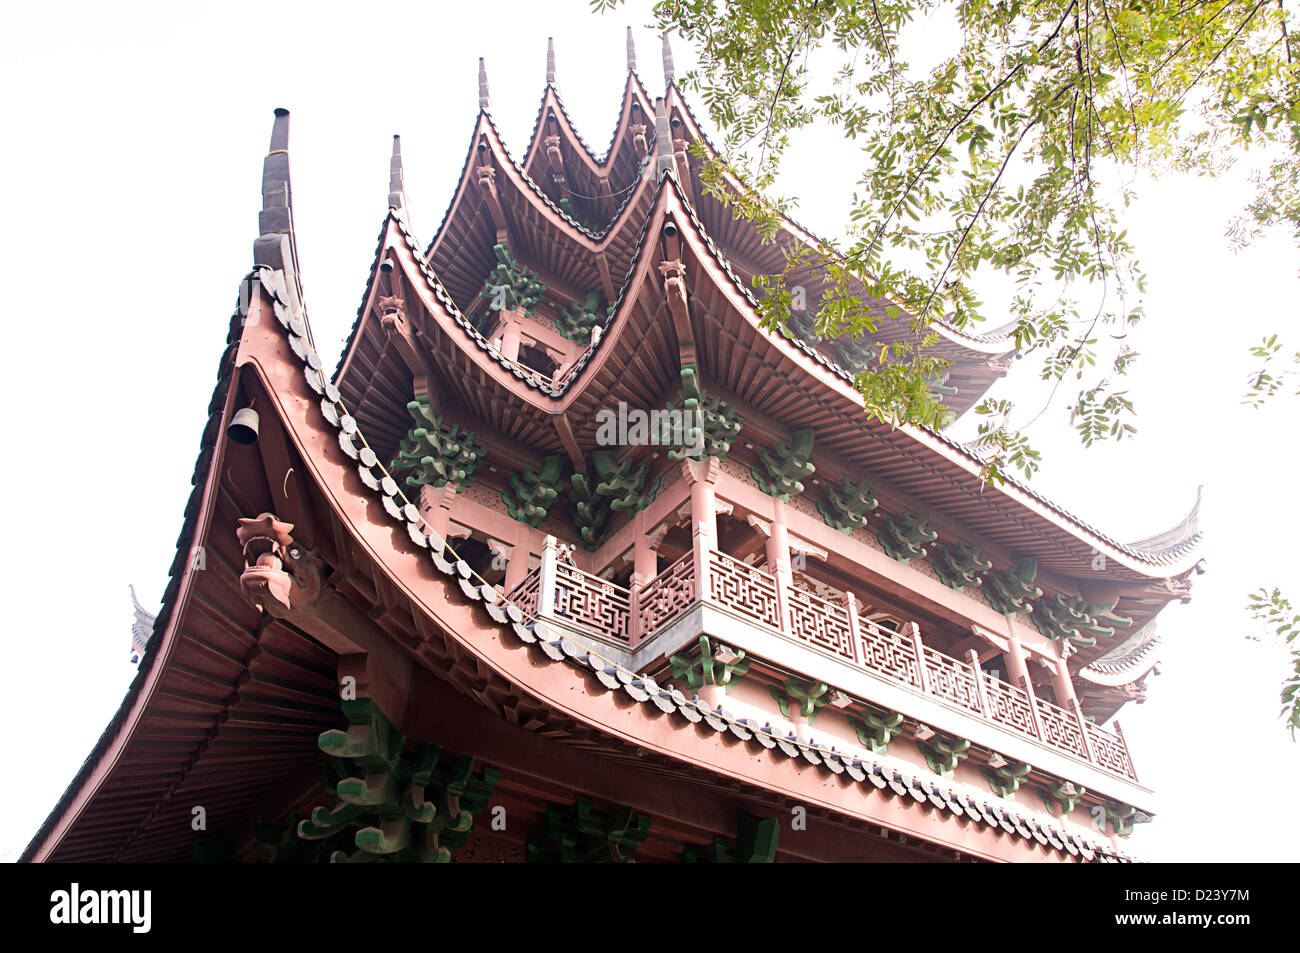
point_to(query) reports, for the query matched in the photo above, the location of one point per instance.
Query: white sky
(132, 185)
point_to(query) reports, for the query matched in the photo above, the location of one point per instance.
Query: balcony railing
(610, 613)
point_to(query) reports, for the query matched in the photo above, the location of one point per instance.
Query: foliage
(998, 137)
(1269, 607)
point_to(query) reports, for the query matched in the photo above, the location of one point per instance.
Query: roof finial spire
(631, 52)
(482, 84)
(550, 61)
(669, 72)
(274, 246)
(396, 180)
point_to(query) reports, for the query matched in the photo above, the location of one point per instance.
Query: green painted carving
(1005, 781)
(581, 834)
(715, 419)
(846, 506)
(783, 468)
(510, 287)
(1122, 817)
(854, 354)
(399, 804)
(589, 511)
(626, 487)
(529, 497)
(705, 670)
(1011, 590)
(576, 320)
(1069, 617)
(942, 752)
(755, 843)
(876, 728)
(434, 453)
(960, 565)
(904, 536)
(807, 697)
(1061, 797)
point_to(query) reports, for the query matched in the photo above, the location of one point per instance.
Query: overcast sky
(131, 189)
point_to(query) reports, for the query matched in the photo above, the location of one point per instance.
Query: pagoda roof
(215, 676)
(117, 808)
(949, 474)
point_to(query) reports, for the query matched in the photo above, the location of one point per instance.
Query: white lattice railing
(1110, 752)
(951, 680)
(1061, 728)
(524, 595)
(665, 596)
(744, 589)
(603, 609)
(1009, 705)
(889, 653)
(591, 603)
(821, 624)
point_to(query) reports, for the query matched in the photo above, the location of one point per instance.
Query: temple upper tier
(569, 535)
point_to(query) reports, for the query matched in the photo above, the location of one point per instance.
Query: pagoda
(571, 559)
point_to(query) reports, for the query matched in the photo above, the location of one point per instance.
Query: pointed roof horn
(482, 84)
(669, 73)
(550, 61)
(631, 52)
(274, 245)
(396, 180)
(274, 217)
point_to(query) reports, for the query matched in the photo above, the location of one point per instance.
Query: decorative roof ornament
(483, 99)
(626, 487)
(905, 536)
(530, 494)
(846, 506)
(960, 564)
(715, 419)
(876, 728)
(670, 74)
(550, 61)
(436, 453)
(578, 833)
(631, 52)
(396, 180)
(708, 668)
(784, 467)
(1004, 781)
(942, 752)
(274, 245)
(588, 510)
(141, 628)
(1010, 591)
(577, 319)
(397, 805)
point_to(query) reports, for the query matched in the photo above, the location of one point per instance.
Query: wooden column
(644, 569)
(855, 625)
(435, 507)
(981, 693)
(778, 563)
(511, 335)
(703, 474)
(1064, 685)
(546, 579)
(1020, 673)
(913, 632)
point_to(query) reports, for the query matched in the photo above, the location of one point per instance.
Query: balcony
(746, 606)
